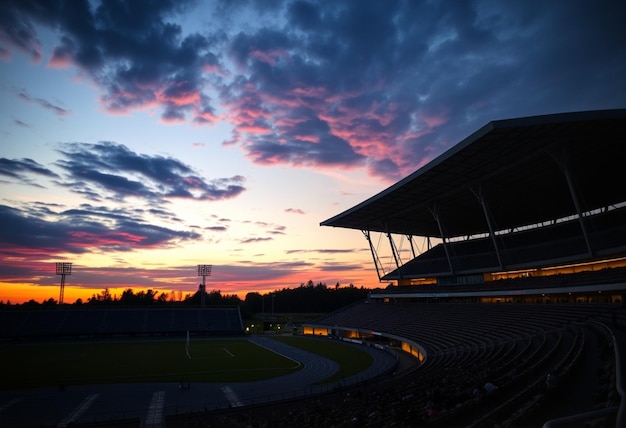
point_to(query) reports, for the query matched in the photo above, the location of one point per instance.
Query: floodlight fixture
(203, 271)
(63, 269)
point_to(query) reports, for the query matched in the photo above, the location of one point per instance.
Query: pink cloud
(213, 69)
(61, 58)
(254, 129)
(171, 120)
(269, 56)
(433, 120)
(289, 122)
(384, 118)
(205, 117)
(310, 91)
(285, 101)
(83, 239)
(179, 98)
(308, 138)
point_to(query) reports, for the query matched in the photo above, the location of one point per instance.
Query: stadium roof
(526, 171)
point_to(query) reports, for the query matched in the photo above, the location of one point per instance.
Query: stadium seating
(512, 346)
(558, 243)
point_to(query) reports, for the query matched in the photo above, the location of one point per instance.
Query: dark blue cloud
(385, 85)
(123, 173)
(43, 103)
(128, 48)
(404, 80)
(44, 229)
(22, 169)
(304, 15)
(254, 240)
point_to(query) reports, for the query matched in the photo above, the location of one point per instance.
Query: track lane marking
(231, 396)
(154, 417)
(9, 403)
(78, 411)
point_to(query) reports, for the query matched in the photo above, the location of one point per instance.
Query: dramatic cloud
(384, 86)
(40, 231)
(122, 173)
(20, 169)
(127, 48)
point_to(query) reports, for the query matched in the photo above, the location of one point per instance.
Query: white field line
(298, 363)
(228, 352)
(231, 396)
(78, 411)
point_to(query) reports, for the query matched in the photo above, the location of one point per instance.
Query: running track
(151, 402)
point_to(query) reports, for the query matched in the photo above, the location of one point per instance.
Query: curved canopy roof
(520, 171)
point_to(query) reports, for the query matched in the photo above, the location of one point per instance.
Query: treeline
(307, 298)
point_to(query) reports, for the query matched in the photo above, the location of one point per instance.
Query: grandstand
(520, 195)
(106, 322)
(524, 277)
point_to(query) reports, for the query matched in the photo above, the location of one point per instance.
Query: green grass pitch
(212, 360)
(351, 360)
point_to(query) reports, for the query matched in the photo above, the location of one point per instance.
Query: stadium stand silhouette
(525, 284)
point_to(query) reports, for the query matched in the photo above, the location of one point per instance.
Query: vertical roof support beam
(394, 250)
(563, 163)
(434, 210)
(481, 198)
(410, 238)
(373, 251)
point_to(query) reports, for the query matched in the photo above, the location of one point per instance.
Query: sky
(139, 139)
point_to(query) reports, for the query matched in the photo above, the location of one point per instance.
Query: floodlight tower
(63, 269)
(203, 271)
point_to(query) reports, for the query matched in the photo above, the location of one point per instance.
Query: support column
(373, 252)
(410, 239)
(479, 194)
(435, 212)
(394, 250)
(563, 163)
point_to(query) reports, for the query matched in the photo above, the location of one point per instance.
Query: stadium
(512, 316)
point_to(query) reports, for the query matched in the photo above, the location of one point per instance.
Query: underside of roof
(508, 174)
